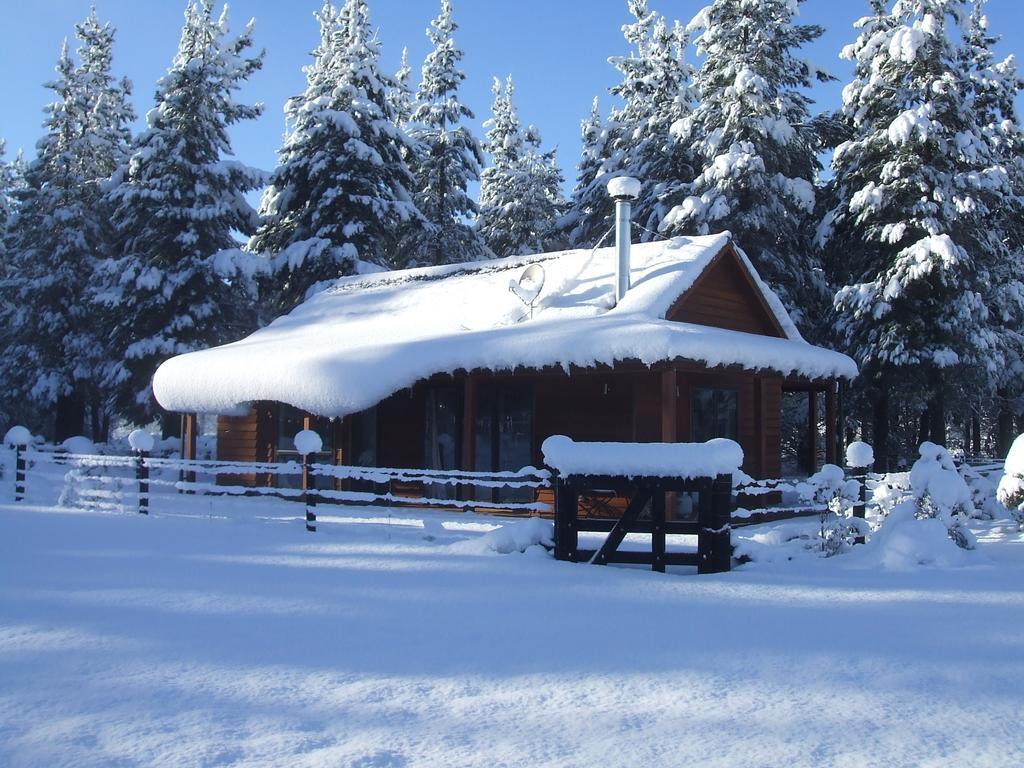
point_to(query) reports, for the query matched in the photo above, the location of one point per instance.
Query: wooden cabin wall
(247, 438)
(585, 407)
(725, 297)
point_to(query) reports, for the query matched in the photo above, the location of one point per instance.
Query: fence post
(566, 510)
(714, 541)
(307, 443)
(19, 473)
(307, 497)
(658, 530)
(859, 459)
(18, 438)
(142, 476)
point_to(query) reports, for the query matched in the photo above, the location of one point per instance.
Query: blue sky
(556, 50)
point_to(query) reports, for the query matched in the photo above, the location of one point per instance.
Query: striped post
(19, 472)
(142, 476)
(309, 498)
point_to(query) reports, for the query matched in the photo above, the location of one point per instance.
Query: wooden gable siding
(725, 296)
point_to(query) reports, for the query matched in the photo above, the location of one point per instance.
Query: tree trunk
(922, 426)
(975, 435)
(1004, 435)
(881, 430)
(96, 420)
(69, 417)
(936, 408)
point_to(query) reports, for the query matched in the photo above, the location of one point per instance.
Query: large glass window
(290, 421)
(715, 413)
(364, 439)
(504, 436)
(443, 435)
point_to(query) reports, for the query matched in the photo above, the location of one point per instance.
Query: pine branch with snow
(176, 204)
(520, 192)
(341, 190)
(447, 158)
(753, 150)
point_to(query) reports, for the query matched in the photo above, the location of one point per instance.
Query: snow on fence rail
(107, 482)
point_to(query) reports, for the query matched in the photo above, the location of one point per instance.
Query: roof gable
(726, 296)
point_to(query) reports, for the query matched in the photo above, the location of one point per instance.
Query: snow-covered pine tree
(176, 205)
(520, 192)
(447, 159)
(58, 337)
(12, 180)
(751, 141)
(400, 95)
(584, 209)
(992, 99)
(341, 188)
(655, 93)
(917, 191)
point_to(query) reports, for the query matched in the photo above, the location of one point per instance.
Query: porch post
(831, 422)
(468, 423)
(188, 443)
(812, 430)
(669, 404)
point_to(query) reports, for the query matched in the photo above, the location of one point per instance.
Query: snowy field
(219, 632)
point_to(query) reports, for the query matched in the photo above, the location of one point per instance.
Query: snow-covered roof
(369, 336)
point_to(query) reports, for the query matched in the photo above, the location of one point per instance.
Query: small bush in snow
(938, 491)
(839, 528)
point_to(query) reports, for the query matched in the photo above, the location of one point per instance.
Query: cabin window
(290, 421)
(715, 413)
(364, 439)
(503, 436)
(443, 436)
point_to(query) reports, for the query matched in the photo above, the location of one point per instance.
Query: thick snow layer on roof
(368, 336)
(686, 460)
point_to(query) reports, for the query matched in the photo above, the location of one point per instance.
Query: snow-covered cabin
(444, 367)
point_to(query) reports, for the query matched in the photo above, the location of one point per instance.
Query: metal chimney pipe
(623, 190)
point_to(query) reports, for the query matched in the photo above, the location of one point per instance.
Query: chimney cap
(624, 188)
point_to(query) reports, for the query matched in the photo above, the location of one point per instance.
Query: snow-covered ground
(219, 632)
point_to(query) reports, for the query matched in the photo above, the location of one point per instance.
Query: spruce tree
(55, 353)
(401, 96)
(520, 192)
(341, 188)
(447, 159)
(177, 203)
(753, 150)
(655, 92)
(913, 233)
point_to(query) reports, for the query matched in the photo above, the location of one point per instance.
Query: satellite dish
(530, 284)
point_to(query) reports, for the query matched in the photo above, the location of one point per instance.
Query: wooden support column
(812, 431)
(189, 426)
(669, 404)
(669, 430)
(831, 424)
(469, 386)
(469, 424)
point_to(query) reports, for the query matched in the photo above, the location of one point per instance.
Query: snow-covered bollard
(142, 443)
(860, 457)
(18, 438)
(1010, 492)
(307, 442)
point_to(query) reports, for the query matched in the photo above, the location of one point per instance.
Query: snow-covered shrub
(839, 528)
(80, 445)
(983, 493)
(1010, 492)
(937, 491)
